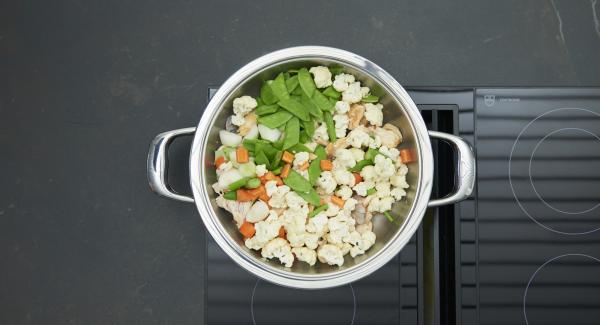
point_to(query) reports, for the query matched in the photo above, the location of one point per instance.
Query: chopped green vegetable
(318, 210)
(371, 153)
(295, 107)
(322, 101)
(266, 109)
(330, 126)
(331, 92)
(259, 102)
(371, 191)
(293, 71)
(311, 196)
(266, 93)
(361, 164)
(231, 195)
(291, 83)
(388, 216)
(292, 133)
(261, 159)
(370, 99)
(275, 120)
(309, 127)
(314, 171)
(237, 184)
(304, 138)
(299, 148)
(276, 171)
(297, 182)
(306, 82)
(336, 70)
(247, 169)
(312, 108)
(253, 183)
(298, 91)
(279, 89)
(320, 152)
(276, 159)
(269, 150)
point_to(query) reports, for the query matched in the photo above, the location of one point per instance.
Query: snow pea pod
(361, 164)
(266, 109)
(318, 210)
(275, 120)
(306, 82)
(291, 83)
(322, 101)
(292, 133)
(279, 89)
(311, 196)
(295, 107)
(266, 93)
(314, 171)
(330, 92)
(330, 126)
(370, 99)
(297, 182)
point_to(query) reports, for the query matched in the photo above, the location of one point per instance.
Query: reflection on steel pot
(399, 109)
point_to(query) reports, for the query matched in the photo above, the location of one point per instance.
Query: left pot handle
(157, 164)
(465, 170)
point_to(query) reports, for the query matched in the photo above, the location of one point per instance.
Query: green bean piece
(266, 109)
(388, 216)
(299, 148)
(371, 153)
(320, 152)
(275, 120)
(266, 93)
(311, 196)
(361, 164)
(371, 191)
(336, 70)
(314, 171)
(253, 183)
(330, 126)
(309, 127)
(279, 89)
(231, 195)
(331, 92)
(370, 99)
(297, 182)
(322, 102)
(295, 107)
(237, 184)
(276, 171)
(291, 83)
(292, 133)
(306, 82)
(318, 210)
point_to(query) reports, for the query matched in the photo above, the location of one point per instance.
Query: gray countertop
(85, 86)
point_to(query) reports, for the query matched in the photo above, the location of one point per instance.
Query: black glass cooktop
(524, 249)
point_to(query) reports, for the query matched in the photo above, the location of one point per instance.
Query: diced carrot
(269, 176)
(282, 233)
(337, 201)
(357, 178)
(288, 157)
(285, 171)
(219, 161)
(407, 156)
(304, 166)
(247, 229)
(241, 154)
(326, 164)
(244, 195)
(264, 197)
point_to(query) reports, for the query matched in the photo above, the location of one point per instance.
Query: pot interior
(394, 113)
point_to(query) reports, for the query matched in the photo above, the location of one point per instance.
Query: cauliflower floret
(244, 105)
(217, 188)
(271, 187)
(258, 212)
(322, 76)
(398, 193)
(358, 138)
(342, 107)
(300, 158)
(344, 158)
(295, 220)
(311, 240)
(280, 249)
(345, 248)
(341, 124)
(380, 204)
(368, 173)
(304, 254)
(391, 153)
(357, 153)
(338, 228)
(238, 120)
(353, 238)
(366, 241)
(390, 135)
(374, 113)
(278, 198)
(375, 142)
(384, 167)
(327, 182)
(296, 239)
(321, 133)
(399, 181)
(383, 189)
(402, 169)
(261, 170)
(344, 192)
(362, 187)
(350, 204)
(332, 210)
(294, 201)
(265, 231)
(343, 177)
(364, 91)
(330, 254)
(352, 94)
(342, 80)
(317, 224)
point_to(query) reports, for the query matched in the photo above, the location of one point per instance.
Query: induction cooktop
(523, 249)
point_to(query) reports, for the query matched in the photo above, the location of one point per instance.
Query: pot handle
(157, 164)
(465, 169)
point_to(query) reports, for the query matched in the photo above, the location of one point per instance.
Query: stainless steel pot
(399, 109)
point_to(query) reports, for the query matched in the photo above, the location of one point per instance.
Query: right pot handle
(465, 170)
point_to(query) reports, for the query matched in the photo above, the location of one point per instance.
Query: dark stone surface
(86, 85)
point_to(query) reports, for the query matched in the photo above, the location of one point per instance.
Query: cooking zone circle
(273, 304)
(557, 147)
(561, 287)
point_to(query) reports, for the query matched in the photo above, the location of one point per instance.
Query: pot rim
(287, 278)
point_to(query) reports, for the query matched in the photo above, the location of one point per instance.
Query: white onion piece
(230, 139)
(258, 212)
(228, 177)
(268, 133)
(253, 133)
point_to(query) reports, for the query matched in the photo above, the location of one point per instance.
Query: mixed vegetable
(304, 167)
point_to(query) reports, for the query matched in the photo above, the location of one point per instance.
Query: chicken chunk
(249, 122)
(390, 135)
(355, 114)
